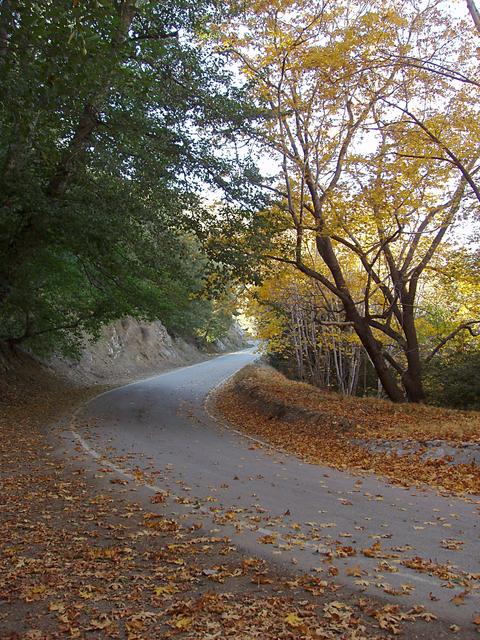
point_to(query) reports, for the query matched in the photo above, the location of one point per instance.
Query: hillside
(130, 349)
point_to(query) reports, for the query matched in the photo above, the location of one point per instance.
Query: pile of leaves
(81, 558)
(367, 419)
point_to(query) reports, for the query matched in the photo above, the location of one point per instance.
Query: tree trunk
(412, 378)
(475, 13)
(28, 234)
(374, 350)
(360, 324)
(88, 122)
(89, 119)
(412, 381)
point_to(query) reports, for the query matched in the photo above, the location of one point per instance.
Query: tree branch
(475, 13)
(453, 157)
(465, 326)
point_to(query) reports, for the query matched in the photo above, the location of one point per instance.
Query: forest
(312, 163)
(239, 319)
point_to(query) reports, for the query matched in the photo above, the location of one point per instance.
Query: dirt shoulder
(326, 428)
(82, 558)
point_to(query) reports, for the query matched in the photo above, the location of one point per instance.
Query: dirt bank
(130, 349)
(327, 428)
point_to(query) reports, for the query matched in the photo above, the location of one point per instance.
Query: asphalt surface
(300, 516)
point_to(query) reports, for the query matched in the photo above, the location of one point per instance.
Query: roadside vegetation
(112, 116)
(371, 266)
(304, 336)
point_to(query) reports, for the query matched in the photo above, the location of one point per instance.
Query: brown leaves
(374, 551)
(268, 539)
(452, 545)
(355, 571)
(156, 521)
(159, 497)
(459, 598)
(93, 563)
(321, 442)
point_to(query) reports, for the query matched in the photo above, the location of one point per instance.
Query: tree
(303, 329)
(113, 115)
(355, 180)
(472, 7)
(300, 324)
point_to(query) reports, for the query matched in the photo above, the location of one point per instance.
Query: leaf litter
(258, 399)
(79, 559)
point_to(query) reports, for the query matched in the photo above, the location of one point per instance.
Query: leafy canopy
(112, 117)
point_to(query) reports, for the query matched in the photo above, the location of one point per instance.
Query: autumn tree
(356, 177)
(300, 325)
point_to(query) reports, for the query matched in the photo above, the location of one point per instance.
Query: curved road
(158, 432)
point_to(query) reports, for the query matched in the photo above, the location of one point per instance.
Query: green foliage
(112, 120)
(217, 316)
(453, 380)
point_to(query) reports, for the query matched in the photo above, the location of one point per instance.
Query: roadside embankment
(129, 349)
(408, 444)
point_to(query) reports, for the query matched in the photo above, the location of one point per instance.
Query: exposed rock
(127, 349)
(452, 452)
(234, 339)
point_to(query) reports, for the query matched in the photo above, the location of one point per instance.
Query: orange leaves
(315, 586)
(268, 539)
(374, 551)
(355, 571)
(159, 497)
(326, 428)
(459, 599)
(389, 618)
(344, 551)
(106, 568)
(452, 545)
(35, 592)
(156, 521)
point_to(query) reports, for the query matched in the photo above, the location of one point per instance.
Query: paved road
(296, 514)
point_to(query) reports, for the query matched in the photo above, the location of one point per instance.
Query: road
(294, 514)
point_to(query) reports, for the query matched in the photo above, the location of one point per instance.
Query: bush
(453, 380)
